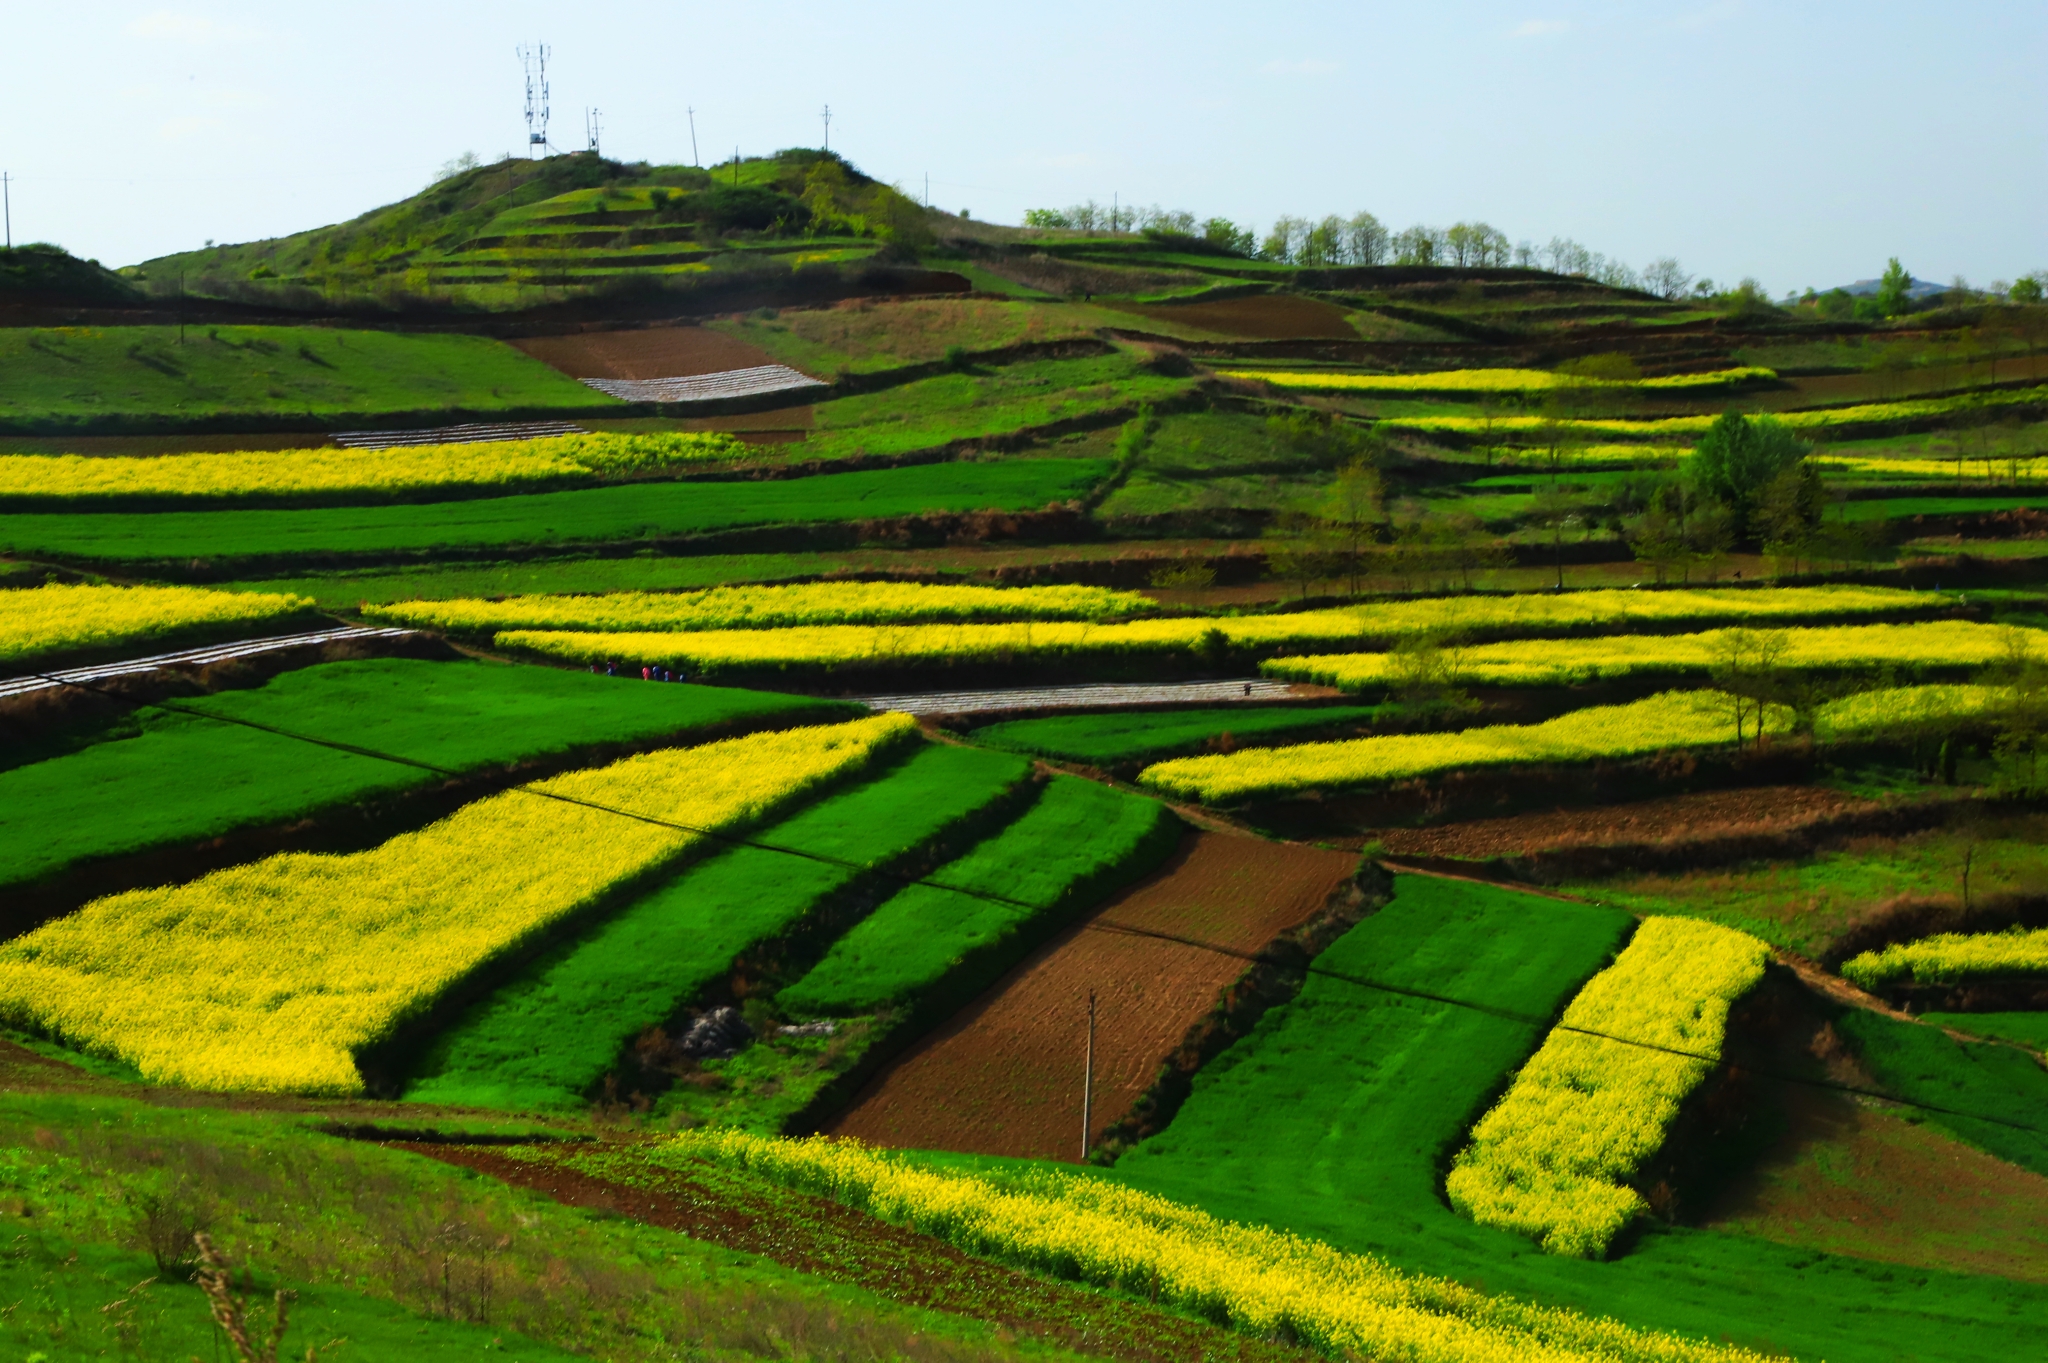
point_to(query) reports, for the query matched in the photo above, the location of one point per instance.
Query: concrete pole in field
(1088, 1081)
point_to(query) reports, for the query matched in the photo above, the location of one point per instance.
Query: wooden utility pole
(1088, 1081)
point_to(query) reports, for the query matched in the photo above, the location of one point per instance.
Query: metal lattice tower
(535, 60)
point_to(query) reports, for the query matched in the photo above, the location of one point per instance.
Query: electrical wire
(1123, 929)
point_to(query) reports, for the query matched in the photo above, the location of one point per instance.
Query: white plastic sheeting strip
(472, 433)
(1104, 697)
(193, 657)
(729, 383)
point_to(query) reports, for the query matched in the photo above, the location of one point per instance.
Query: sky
(1799, 143)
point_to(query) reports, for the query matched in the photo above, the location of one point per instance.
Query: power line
(1123, 929)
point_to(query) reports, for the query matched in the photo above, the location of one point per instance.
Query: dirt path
(816, 1235)
(1003, 1077)
(1715, 813)
(651, 353)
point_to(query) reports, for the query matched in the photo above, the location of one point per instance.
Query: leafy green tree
(1789, 511)
(1737, 459)
(2026, 289)
(1892, 287)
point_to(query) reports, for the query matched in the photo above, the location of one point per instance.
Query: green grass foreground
(641, 511)
(1335, 1118)
(68, 377)
(1995, 1097)
(547, 1037)
(166, 779)
(1147, 736)
(1079, 841)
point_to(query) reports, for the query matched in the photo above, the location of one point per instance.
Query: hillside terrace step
(729, 383)
(1102, 697)
(470, 433)
(193, 657)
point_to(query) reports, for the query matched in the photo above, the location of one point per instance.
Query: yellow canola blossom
(1676, 719)
(844, 645)
(1263, 1282)
(60, 619)
(1952, 958)
(286, 472)
(274, 976)
(1820, 418)
(1550, 1159)
(813, 603)
(1556, 662)
(1891, 709)
(1495, 381)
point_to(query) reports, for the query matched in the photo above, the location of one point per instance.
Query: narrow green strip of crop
(547, 1037)
(594, 515)
(1552, 1157)
(1079, 841)
(180, 780)
(69, 373)
(1676, 719)
(1135, 736)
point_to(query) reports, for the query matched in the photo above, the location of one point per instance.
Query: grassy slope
(545, 1038)
(2001, 1082)
(1078, 839)
(180, 779)
(1331, 1119)
(865, 337)
(312, 1211)
(346, 589)
(1133, 736)
(2028, 1029)
(1808, 905)
(640, 511)
(145, 371)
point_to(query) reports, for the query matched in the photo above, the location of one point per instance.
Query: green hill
(40, 273)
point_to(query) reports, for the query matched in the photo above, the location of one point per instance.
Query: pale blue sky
(1798, 142)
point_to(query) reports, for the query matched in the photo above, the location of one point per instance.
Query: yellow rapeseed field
(53, 619)
(1676, 719)
(1558, 662)
(1951, 958)
(1261, 1281)
(1815, 419)
(62, 477)
(273, 976)
(1887, 711)
(1583, 1115)
(812, 603)
(1494, 380)
(1531, 613)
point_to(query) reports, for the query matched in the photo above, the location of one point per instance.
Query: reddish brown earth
(1715, 813)
(650, 353)
(1275, 317)
(1850, 1180)
(1003, 1077)
(816, 1235)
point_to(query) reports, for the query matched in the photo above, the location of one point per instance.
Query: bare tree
(1664, 277)
(1365, 241)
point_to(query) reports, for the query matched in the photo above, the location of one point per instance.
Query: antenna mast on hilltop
(828, 127)
(695, 160)
(535, 60)
(590, 127)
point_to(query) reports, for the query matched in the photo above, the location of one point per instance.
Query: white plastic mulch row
(192, 657)
(1103, 697)
(471, 433)
(729, 383)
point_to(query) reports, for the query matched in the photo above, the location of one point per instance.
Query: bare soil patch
(1003, 1077)
(649, 353)
(1267, 317)
(1678, 818)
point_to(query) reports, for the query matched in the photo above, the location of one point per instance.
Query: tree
(1747, 667)
(1789, 511)
(1666, 279)
(1349, 510)
(1892, 288)
(1365, 241)
(1284, 242)
(1295, 551)
(2025, 289)
(1226, 235)
(1323, 243)
(1737, 458)
(1418, 246)
(1556, 511)
(1658, 538)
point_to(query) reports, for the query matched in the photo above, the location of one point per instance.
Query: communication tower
(590, 128)
(535, 60)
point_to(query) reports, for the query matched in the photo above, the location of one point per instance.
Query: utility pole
(7, 199)
(694, 160)
(735, 164)
(1088, 1081)
(927, 189)
(828, 127)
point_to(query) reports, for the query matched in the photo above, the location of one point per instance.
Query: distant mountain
(1867, 288)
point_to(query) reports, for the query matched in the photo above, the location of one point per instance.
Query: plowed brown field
(1768, 809)
(1268, 317)
(651, 353)
(1003, 1077)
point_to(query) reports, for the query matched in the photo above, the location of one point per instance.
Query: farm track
(1109, 696)
(816, 1235)
(646, 353)
(195, 657)
(1002, 1077)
